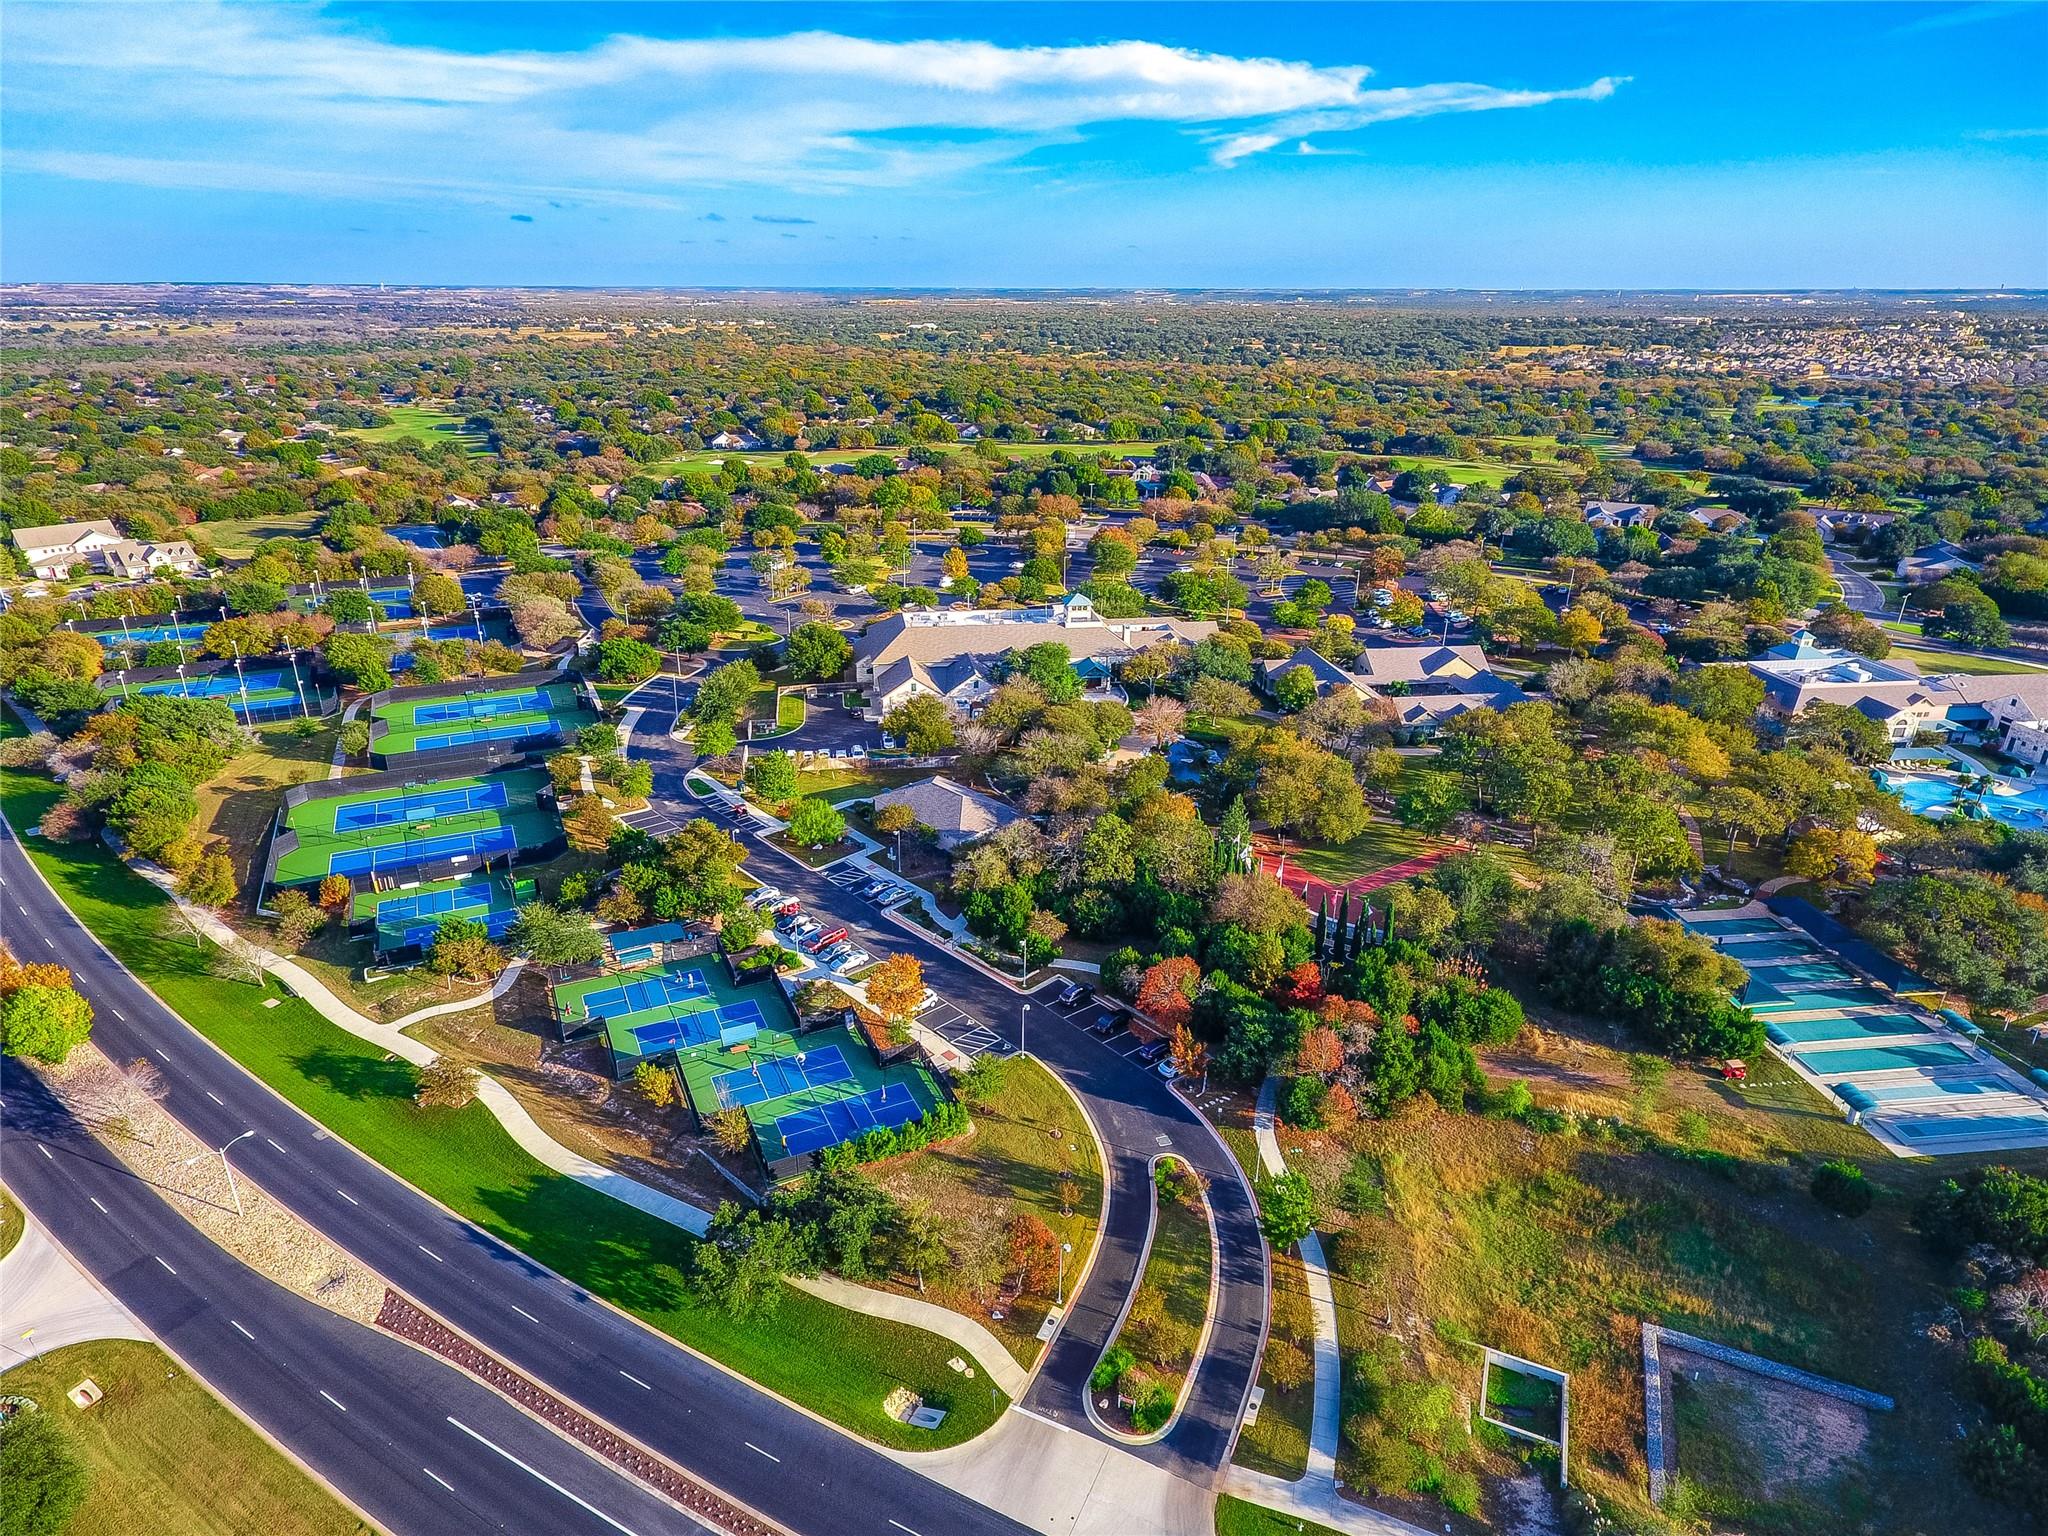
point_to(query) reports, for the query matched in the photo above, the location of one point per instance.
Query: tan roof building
(955, 812)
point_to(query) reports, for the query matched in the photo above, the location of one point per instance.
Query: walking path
(49, 1301)
(970, 1335)
(1314, 1495)
(336, 768)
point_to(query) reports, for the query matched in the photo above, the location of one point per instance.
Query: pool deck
(1929, 1090)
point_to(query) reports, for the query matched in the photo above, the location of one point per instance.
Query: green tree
(923, 724)
(437, 596)
(43, 1474)
(817, 652)
(1287, 1209)
(772, 775)
(624, 660)
(741, 1263)
(1840, 1186)
(44, 1023)
(548, 935)
(210, 882)
(1050, 665)
(1294, 690)
(814, 823)
(362, 661)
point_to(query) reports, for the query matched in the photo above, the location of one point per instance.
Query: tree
(1832, 856)
(591, 825)
(1964, 932)
(625, 660)
(1842, 729)
(1840, 1186)
(44, 1023)
(654, 1083)
(1034, 1253)
(1161, 719)
(436, 595)
(1190, 1056)
(741, 1263)
(894, 817)
(1166, 992)
(43, 1474)
(772, 776)
(336, 894)
(549, 935)
(1287, 1209)
(297, 919)
(1300, 788)
(462, 947)
(1050, 665)
(363, 661)
(1294, 690)
(542, 622)
(895, 988)
(445, 1083)
(731, 1129)
(211, 882)
(923, 724)
(817, 652)
(815, 823)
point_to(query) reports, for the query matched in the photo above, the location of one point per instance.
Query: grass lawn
(1165, 1320)
(790, 710)
(1960, 661)
(836, 1363)
(422, 424)
(164, 1454)
(1234, 1517)
(1381, 844)
(840, 785)
(1278, 1443)
(241, 536)
(240, 805)
(825, 458)
(12, 1224)
(1028, 1140)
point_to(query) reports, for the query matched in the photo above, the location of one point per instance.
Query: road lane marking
(160, 1259)
(95, 1199)
(45, 1151)
(437, 1477)
(539, 1476)
(351, 1199)
(273, 1144)
(902, 1527)
(334, 1400)
(120, 1015)
(526, 1314)
(423, 1248)
(160, 1056)
(46, 940)
(759, 1452)
(223, 1103)
(245, 1333)
(636, 1381)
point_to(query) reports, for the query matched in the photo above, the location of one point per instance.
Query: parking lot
(878, 890)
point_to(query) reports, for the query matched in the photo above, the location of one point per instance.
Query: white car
(1167, 1069)
(766, 896)
(846, 964)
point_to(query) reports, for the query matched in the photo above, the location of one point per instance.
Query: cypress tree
(1322, 923)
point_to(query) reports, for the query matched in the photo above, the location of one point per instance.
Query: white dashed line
(274, 1146)
(540, 1476)
(437, 1477)
(759, 1452)
(423, 1248)
(97, 1206)
(245, 1333)
(223, 1103)
(636, 1381)
(45, 1151)
(334, 1400)
(902, 1527)
(159, 1258)
(160, 1056)
(120, 1015)
(527, 1315)
(351, 1199)
(46, 941)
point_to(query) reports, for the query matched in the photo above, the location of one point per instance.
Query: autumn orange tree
(1321, 1053)
(1166, 993)
(895, 988)
(336, 893)
(1034, 1253)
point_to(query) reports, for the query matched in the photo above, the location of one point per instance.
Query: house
(955, 654)
(1933, 563)
(131, 561)
(1620, 514)
(53, 550)
(954, 812)
(1424, 684)
(1839, 522)
(2004, 710)
(741, 441)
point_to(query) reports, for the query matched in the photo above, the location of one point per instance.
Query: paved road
(1137, 1115)
(1858, 590)
(386, 1431)
(710, 1423)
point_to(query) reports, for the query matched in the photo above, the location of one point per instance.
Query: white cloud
(290, 99)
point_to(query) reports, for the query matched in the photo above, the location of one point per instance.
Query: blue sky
(1259, 145)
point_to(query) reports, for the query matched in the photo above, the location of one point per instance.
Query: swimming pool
(1936, 797)
(1882, 1058)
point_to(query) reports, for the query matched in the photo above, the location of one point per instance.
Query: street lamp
(1061, 1299)
(1023, 1022)
(221, 1152)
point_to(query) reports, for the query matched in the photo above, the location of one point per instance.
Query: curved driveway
(1136, 1114)
(796, 1470)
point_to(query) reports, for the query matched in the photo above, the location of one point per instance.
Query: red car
(824, 938)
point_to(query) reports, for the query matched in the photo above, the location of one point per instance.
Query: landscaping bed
(1137, 1386)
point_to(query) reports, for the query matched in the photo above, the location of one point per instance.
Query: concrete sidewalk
(1326, 1423)
(983, 1346)
(49, 1302)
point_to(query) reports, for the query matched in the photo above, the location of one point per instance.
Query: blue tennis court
(826, 1125)
(151, 634)
(1748, 950)
(397, 603)
(1855, 1026)
(1953, 1126)
(1732, 927)
(532, 701)
(425, 805)
(529, 730)
(652, 992)
(218, 685)
(1761, 996)
(729, 1025)
(424, 850)
(1882, 1058)
(777, 1077)
(422, 914)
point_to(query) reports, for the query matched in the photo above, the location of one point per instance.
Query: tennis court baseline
(532, 701)
(777, 1077)
(828, 1124)
(512, 731)
(651, 992)
(422, 806)
(728, 1023)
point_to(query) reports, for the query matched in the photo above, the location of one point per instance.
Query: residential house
(1621, 514)
(740, 441)
(1424, 684)
(954, 654)
(955, 813)
(131, 561)
(52, 551)
(1838, 522)
(1933, 563)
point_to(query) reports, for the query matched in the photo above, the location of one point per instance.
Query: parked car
(1150, 1053)
(824, 938)
(929, 1000)
(1168, 1070)
(1069, 994)
(1109, 1024)
(847, 964)
(766, 896)
(833, 952)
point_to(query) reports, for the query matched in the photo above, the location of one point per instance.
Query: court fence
(284, 841)
(211, 678)
(475, 754)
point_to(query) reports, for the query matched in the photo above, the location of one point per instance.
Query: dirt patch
(1527, 1506)
(1780, 1439)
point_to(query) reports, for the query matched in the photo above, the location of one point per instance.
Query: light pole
(1061, 1299)
(1023, 1022)
(221, 1152)
(476, 614)
(291, 655)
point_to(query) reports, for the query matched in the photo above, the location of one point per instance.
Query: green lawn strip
(1013, 1164)
(1176, 1272)
(12, 1224)
(1937, 662)
(839, 785)
(421, 424)
(837, 1363)
(790, 710)
(1235, 1517)
(1278, 1442)
(1380, 844)
(162, 1453)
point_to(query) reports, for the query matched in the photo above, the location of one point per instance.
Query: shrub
(1995, 1205)
(940, 1123)
(1841, 1187)
(1153, 1408)
(654, 1084)
(445, 1083)
(1302, 1104)
(1111, 1368)
(42, 1472)
(44, 1022)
